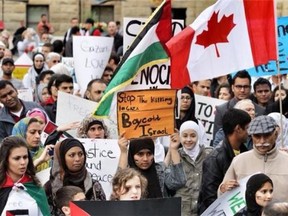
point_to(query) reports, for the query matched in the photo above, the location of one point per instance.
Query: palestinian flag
(147, 49)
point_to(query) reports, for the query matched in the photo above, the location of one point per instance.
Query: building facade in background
(61, 11)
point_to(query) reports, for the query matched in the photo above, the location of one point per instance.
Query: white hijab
(193, 153)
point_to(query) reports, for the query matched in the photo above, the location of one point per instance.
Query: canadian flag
(229, 36)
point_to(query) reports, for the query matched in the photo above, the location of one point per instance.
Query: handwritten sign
(71, 108)
(205, 112)
(102, 157)
(91, 55)
(146, 113)
(230, 202)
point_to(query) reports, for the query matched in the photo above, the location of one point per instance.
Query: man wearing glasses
(241, 87)
(265, 157)
(52, 59)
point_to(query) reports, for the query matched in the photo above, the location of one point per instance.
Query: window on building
(34, 14)
(103, 13)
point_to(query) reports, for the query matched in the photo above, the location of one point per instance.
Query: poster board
(142, 113)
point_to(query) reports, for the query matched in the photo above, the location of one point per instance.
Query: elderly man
(265, 157)
(52, 59)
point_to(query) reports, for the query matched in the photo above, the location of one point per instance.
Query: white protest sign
(68, 62)
(102, 160)
(43, 175)
(205, 111)
(230, 202)
(25, 94)
(71, 108)
(156, 75)
(91, 55)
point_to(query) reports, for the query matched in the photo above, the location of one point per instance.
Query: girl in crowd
(69, 168)
(91, 127)
(18, 183)
(187, 111)
(224, 92)
(276, 95)
(42, 94)
(192, 155)
(140, 156)
(128, 184)
(259, 192)
(30, 80)
(30, 129)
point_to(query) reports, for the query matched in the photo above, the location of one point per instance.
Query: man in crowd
(241, 87)
(52, 59)
(262, 91)
(118, 39)
(8, 68)
(62, 83)
(219, 160)
(265, 157)
(14, 109)
(202, 87)
(95, 90)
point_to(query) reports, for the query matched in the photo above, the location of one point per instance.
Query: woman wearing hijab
(187, 107)
(90, 127)
(18, 182)
(30, 80)
(140, 156)
(69, 168)
(30, 129)
(192, 155)
(259, 192)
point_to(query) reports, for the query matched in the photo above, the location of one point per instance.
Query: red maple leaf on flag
(217, 31)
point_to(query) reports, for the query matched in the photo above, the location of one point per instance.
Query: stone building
(61, 11)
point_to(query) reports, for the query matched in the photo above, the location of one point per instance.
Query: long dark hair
(7, 145)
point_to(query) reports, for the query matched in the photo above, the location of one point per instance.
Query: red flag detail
(217, 31)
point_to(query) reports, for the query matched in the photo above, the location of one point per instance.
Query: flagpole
(280, 104)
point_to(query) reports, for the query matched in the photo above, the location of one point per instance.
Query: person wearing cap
(265, 157)
(90, 29)
(8, 68)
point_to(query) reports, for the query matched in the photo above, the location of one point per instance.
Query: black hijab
(254, 183)
(38, 70)
(136, 145)
(72, 178)
(190, 114)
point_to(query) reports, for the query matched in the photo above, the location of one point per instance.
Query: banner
(153, 207)
(230, 202)
(146, 113)
(102, 157)
(91, 55)
(205, 112)
(71, 108)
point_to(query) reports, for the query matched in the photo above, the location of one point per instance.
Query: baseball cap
(262, 125)
(7, 60)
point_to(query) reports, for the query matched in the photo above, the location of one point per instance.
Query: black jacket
(214, 169)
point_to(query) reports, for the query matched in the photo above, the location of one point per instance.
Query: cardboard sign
(230, 202)
(152, 207)
(91, 55)
(71, 108)
(102, 157)
(146, 113)
(205, 112)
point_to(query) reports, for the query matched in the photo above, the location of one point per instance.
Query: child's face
(133, 187)
(264, 195)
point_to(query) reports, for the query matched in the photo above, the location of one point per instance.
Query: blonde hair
(120, 179)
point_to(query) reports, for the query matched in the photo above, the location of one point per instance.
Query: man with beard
(8, 68)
